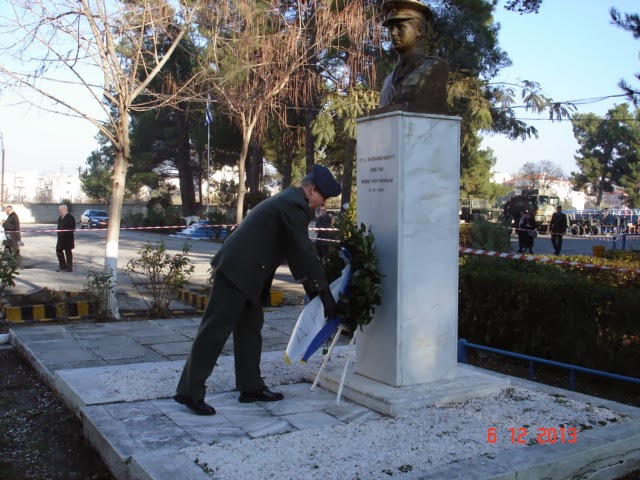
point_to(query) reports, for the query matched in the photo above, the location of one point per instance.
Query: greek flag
(208, 116)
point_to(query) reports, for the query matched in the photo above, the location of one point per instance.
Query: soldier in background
(557, 229)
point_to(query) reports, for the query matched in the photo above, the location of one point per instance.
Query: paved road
(576, 245)
(39, 258)
(39, 249)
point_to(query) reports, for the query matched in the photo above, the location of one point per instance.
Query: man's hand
(310, 293)
(328, 303)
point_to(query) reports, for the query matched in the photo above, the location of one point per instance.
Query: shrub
(217, 216)
(551, 311)
(165, 274)
(8, 270)
(133, 220)
(485, 236)
(98, 288)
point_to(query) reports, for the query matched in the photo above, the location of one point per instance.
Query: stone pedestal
(408, 174)
(408, 171)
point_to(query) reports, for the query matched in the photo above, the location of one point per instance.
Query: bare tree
(538, 175)
(263, 52)
(108, 51)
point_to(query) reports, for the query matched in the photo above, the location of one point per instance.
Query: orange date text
(545, 435)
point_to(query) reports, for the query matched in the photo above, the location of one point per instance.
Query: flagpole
(208, 120)
(208, 156)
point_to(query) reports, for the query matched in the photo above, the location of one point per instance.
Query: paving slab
(121, 431)
(54, 347)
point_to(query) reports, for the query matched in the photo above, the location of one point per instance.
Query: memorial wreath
(357, 305)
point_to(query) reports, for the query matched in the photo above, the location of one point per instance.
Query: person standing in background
(66, 239)
(11, 228)
(522, 234)
(557, 228)
(528, 227)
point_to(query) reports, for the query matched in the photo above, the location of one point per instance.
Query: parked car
(94, 219)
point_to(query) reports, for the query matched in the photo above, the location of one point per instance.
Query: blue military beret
(322, 178)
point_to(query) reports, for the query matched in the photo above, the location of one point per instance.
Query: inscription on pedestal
(375, 175)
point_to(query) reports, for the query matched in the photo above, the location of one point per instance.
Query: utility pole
(2, 180)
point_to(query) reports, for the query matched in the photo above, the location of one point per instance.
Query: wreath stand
(346, 363)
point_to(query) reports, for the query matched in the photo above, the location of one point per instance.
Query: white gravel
(160, 380)
(412, 442)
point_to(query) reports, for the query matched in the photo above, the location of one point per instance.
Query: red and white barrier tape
(608, 238)
(182, 227)
(81, 230)
(531, 258)
(605, 238)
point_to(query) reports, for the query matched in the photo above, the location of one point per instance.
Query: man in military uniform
(274, 231)
(557, 228)
(419, 81)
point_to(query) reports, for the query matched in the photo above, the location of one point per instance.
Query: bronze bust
(418, 83)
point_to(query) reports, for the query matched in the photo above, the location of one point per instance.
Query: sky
(574, 52)
(570, 48)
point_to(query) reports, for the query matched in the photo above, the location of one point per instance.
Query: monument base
(468, 384)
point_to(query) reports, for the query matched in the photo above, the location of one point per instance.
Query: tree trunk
(347, 173)
(289, 152)
(256, 167)
(600, 191)
(185, 169)
(242, 189)
(309, 138)
(115, 212)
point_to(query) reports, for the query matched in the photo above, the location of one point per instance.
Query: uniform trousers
(228, 311)
(556, 241)
(65, 258)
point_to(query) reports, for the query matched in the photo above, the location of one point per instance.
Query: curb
(76, 310)
(200, 300)
(144, 314)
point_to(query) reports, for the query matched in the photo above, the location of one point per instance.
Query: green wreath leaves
(364, 293)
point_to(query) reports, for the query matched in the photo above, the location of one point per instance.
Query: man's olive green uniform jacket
(274, 231)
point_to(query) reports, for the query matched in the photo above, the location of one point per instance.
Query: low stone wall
(48, 212)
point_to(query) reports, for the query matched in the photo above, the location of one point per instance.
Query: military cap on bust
(401, 10)
(322, 178)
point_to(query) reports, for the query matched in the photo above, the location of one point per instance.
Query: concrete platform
(145, 437)
(469, 383)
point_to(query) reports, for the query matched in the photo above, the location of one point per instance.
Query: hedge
(586, 317)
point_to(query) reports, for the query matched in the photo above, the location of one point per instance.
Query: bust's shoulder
(436, 63)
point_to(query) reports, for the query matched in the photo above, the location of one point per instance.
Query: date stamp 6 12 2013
(545, 435)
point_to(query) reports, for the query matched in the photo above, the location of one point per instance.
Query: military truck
(473, 208)
(540, 202)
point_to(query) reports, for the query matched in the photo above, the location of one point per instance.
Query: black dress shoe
(61, 270)
(262, 395)
(196, 406)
